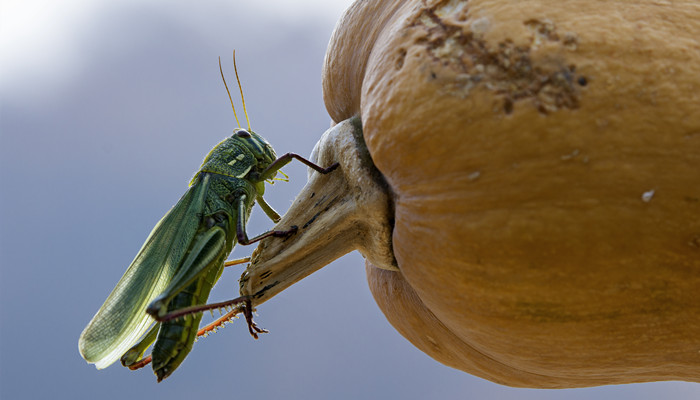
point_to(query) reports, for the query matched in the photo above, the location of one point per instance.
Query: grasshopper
(185, 254)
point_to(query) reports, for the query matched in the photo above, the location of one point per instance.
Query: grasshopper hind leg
(248, 314)
(241, 304)
(133, 358)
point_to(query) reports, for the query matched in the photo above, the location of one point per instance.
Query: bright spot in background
(40, 39)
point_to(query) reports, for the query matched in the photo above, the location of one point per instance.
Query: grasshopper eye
(242, 133)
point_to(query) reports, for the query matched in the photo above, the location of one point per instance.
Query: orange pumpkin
(540, 167)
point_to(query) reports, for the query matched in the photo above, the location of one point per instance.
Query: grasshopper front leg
(242, 235)
(268, 173)
(281, 161)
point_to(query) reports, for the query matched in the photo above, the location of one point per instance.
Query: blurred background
(107, 109)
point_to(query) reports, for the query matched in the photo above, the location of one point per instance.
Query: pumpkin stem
(350, 209)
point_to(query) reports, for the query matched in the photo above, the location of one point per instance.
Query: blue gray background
(107, 110)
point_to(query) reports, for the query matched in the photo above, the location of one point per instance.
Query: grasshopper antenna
(229, 93)
(241, 90)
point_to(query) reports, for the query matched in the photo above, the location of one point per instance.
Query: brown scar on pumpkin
(455, 43)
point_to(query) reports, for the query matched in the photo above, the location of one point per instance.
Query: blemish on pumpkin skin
(433, 343)
(694, 241)
(401, 56)
(508, 70)
(570, 41)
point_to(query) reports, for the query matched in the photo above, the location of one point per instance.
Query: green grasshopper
(184, 256)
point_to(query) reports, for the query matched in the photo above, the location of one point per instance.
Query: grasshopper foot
(287, 233)
(252, 327)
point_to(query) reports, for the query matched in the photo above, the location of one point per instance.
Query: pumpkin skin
(544, 159)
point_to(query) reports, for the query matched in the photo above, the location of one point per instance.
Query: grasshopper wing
(122, 319)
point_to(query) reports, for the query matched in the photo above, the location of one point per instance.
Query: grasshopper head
(264, 154)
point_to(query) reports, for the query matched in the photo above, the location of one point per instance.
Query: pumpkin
(533, 168)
